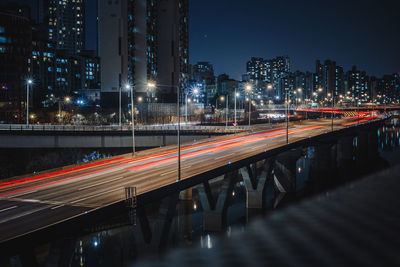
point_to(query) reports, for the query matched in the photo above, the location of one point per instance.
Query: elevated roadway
(38, 201)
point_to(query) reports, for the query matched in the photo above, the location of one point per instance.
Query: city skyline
(230, 49)
(301, 37)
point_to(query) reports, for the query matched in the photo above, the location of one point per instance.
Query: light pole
(248, 89)
(66, 100)
(127, 86)
(236, 95)
(287, 115)
(195, 93)
(28, 83)
(120, 100)
(300, 92)
(332, 103)
(179, 134)
(153, 85)
(227, 110)
(186, 107)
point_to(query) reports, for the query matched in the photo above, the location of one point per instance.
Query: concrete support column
(373, 144)
(285, 170)
(255, 186)
(362, 148)
(159, 230)
(186, 194)
(215, 210)
(345, 151)
(325, 158)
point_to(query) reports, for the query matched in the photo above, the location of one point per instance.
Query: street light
(287, 115)
(195, 92)
(248, 88)
(179, 124)
(150, 85)
(333, 105)
(226, 109)
(28, 83)
(119, 105)
(129, 87)
(236, 95)
(65, 100)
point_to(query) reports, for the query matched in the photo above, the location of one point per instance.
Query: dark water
(148, 232)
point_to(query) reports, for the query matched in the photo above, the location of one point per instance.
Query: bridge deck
(33, 202)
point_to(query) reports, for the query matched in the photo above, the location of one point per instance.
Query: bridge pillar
(362, 147)
(214, 211)
(186, 194)
(61, 252)
(255, 188)
(28, 259)
(345, 151)
(325, 157)
(285, 170)
(166, 213)
(373, 144)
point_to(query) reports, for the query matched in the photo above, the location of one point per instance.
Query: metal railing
(113, 128)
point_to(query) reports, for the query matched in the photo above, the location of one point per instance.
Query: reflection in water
(223, 202)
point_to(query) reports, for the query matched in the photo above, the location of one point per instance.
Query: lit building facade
(358, 85)
(66, 24)
(150, 44)
(256, 69)
(15, 69)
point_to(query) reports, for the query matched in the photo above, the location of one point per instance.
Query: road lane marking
(108, 181)
(24, 193)
(166, 173)
(96, 195)
(56, 207)
(23, 214)
(9, 208)
(224, 156)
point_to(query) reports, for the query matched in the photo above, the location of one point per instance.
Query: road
(34, 202)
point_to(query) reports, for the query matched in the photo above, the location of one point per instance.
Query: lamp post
(119, 110)
(222, 98)
(236, 95)
(287, 115)
(333, 103)
(127, 86)
(248, 89)
(186, 107)
(195, 93)
(179, 134)
(300, 91)
(66, 100)
(154, 85)
(28, 83)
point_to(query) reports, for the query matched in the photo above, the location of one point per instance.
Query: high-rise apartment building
(142, 41)
(15, 60)
(256, 69)
(358, 84)
(66, 24)
(329, 77)
(277, 69)
(203, 71)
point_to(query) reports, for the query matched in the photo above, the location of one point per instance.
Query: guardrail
(103, 128)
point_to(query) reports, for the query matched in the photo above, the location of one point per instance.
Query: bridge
(33, 204)
(147, 136)
(80, 136)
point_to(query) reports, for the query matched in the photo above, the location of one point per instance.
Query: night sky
(351, 32)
